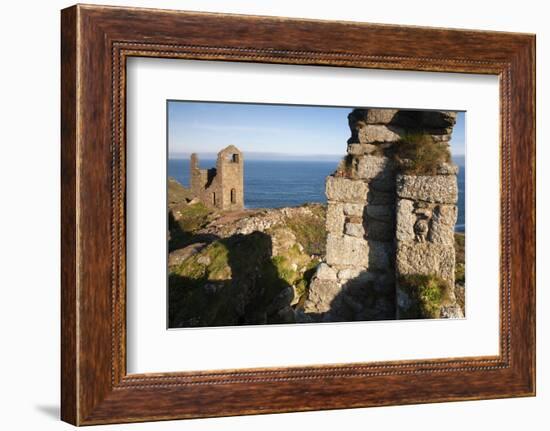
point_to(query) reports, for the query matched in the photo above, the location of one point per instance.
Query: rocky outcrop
(384, 222)
(242, 267)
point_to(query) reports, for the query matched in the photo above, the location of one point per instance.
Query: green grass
(193, 217)
(427, 292)
(419, 154)
(289, 263)
(177, 193)
(416, 153)
(310, 231)
(460, 268)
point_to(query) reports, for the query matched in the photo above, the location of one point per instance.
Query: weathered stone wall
(426, 217)
(221, 187)
(382, 224)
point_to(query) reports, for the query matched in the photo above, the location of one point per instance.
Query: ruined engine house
(221, 187)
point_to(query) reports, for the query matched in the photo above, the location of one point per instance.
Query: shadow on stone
(381, 221)
(180, 238)
(233, 281)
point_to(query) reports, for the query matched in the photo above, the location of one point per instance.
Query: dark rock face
(376, 126)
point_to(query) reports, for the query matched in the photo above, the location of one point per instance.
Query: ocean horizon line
(275, 157)
(283, 183)
(261, 156)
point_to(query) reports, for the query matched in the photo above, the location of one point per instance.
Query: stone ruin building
(383, 224)
(221, 187)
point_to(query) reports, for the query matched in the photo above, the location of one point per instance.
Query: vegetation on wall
(428, 293)
(419, 154)
(345, 167)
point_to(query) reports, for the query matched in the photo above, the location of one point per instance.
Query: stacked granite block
(381, 223)
(426, 217)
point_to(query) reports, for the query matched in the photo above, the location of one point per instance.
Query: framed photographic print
(267, 215)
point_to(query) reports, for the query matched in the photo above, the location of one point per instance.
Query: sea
(284, 183)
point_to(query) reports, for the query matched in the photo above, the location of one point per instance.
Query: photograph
(283, 214)
(316, 215)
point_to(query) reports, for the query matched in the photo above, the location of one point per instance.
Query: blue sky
(206, 127)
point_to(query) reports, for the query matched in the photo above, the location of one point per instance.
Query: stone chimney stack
(383, 224)
(194, 161)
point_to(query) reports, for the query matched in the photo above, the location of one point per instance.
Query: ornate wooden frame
(96, 41)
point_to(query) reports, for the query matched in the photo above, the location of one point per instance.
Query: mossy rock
(426, 294)
(184, 220)
(232, 281)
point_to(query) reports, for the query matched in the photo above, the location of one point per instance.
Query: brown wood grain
(69, 329)
(96, 41)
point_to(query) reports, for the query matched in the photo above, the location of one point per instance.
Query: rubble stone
(325, 272)
(322, 293)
